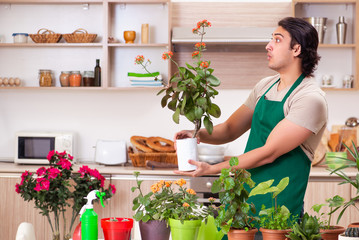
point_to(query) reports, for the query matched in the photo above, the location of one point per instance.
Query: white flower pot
(186, 150)
(343, 237)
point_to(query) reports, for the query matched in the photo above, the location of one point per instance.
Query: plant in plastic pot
(189, 93)
(236, 218)
(276, 221)
(117, 228)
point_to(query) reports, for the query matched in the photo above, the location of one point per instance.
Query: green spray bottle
(89, 219)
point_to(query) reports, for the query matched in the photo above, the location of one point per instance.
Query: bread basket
(139, 159)
(79, 36)
(45, 36)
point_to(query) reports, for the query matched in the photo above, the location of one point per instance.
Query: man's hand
(202, 169)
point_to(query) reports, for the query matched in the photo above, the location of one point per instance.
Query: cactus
(352, 232)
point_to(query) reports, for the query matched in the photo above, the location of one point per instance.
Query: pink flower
(17, 188)
(42, 184)
(50, 155)
(64, 163)
(24, 176)
(113, 188)
(84, 170)
(52, 172)
(41, 171)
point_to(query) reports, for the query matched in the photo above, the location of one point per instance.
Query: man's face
(279, 54)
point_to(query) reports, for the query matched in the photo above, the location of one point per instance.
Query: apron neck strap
(296, 83)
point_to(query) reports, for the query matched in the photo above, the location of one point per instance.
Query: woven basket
(79, 36)
(45, 36)
(139, 159)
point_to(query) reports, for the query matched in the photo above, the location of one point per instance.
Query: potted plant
(189, 93)
(117, 228)
(329, 232)
(171, 202)
(276, 221)
(150, 210)
(345, 163)
(307, 229)
(235, 219)
(54, 188)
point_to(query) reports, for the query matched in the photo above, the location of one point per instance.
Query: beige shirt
(306, 107)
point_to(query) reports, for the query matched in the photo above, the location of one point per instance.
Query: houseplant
(276, 220)
(51, 190)
(172, 203)
(189, 93)
(328, 231)
(235, 219)
(307, 229)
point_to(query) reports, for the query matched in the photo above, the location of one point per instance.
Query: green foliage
(347, 180)
(275, 217)
(164, 202)
(334, 204)
(307, 229)
(230, 186)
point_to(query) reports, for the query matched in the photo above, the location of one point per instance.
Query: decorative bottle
(341, 30)
(97, 73)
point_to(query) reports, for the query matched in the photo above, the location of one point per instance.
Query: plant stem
(49, 220)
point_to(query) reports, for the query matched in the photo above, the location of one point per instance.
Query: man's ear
(297, 49)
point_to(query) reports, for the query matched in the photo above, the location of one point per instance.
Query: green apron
(294, 164)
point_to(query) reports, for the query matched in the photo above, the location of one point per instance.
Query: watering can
(209, 231)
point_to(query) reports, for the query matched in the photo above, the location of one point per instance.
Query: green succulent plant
(307, 229)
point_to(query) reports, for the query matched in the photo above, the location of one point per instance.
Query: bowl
(209, 149)
(211, 159)
(129, 36)
(336, 160)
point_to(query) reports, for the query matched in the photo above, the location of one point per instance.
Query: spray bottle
(89, 219)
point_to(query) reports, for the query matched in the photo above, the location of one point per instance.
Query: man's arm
(284, 137)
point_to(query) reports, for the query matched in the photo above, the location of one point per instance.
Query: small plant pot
(186, 150)
(332, 233)
(129, 36)
(343, 237)
(186, 231)
(237, 234)
(154, 230)
(270, 234)
(120, 230)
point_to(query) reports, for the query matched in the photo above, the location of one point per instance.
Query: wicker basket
(139, 159)
(45, 36)
(79, 36)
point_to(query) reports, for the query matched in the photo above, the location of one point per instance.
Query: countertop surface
(7, 168)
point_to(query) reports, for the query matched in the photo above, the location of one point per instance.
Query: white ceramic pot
(343, 237)
(25, 231)
(186, 150)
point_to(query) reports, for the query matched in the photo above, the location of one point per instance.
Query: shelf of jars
(335, 21)
(41, 45)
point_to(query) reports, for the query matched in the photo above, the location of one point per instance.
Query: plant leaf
(175, 116)
(208, 125)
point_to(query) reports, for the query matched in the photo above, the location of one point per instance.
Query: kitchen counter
(11, 168)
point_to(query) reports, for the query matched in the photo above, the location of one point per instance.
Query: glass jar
(89, 78)
(75, 79)
(65, 79)
(45, 78)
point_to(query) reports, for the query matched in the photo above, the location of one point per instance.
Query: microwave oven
(33, 147)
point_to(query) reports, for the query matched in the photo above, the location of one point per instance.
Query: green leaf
(201, 101)
(233, 161)
(214, 110)
(262, 188)
(208, 125)
(198, 112)
(164, 100)
(138, 216)
(190, 115)
(172, 104)
(190, 67)
(175, 116)
(213, 81)
(228, 183)
(216, 186)
(281, 186)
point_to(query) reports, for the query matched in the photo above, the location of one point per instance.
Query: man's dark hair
(304, 34)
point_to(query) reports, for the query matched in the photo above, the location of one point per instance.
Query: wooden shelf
(138, 45)
(337, 45)
(15, 45)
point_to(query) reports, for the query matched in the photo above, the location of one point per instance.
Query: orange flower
(185, 204)
(191, 191)
(195, 53)
(180, 182)
(195, 30)
(167, 55)
(204, 64)
(154, 188)
(160, 184)
(203, 23)
(168, 183)
(211, 199)
(139, 59)
(200, 45)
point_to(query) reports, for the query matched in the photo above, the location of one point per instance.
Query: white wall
(117, 115)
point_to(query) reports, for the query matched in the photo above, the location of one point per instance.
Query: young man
(286, 113)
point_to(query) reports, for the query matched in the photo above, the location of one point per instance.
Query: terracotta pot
(353, 225)
(333, 233)
(154, 230)
(269, 234)
(236, 234)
